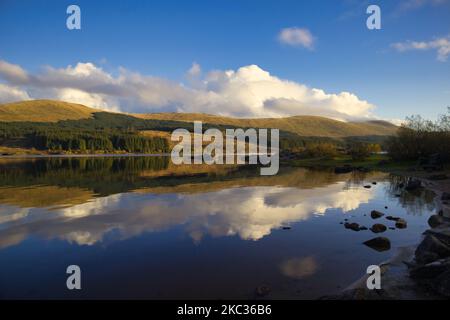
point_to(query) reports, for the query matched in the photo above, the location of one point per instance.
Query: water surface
(139, 227)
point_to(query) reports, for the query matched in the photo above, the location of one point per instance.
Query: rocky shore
(420, 272)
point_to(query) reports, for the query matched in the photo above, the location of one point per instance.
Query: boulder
(430, 248)
(401, 224)
(435, 221)
(368, 186)
(379, 244)
(378, 227)
(376, 214)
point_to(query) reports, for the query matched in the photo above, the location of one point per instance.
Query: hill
(44, 111)
(312, 126)
(305, 126)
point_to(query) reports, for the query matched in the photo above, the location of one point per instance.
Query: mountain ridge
(303, 125)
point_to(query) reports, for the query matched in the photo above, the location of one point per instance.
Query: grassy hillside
(313, 126)
(44, 111)
(302, 125)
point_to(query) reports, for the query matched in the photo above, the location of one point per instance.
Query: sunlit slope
(44, 111)
(301, 125)
(314, 126)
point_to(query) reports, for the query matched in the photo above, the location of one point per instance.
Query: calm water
(142, 228)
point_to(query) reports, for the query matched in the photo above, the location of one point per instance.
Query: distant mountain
(311, 126)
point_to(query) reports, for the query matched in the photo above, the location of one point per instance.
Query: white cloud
(297, 37)
(11, 94)
(88, 99)
(441, 45)
(195, 70)
(248, 91)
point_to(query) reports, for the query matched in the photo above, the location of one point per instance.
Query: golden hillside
(302, 125)
(44, 111)
(53, 111)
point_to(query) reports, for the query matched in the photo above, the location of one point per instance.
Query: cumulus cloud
(11, 94)
(248, 91)
(441, 45)
(297, 37)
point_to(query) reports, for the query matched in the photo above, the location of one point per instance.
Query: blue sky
(162, 39)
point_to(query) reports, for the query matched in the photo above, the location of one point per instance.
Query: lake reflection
(160, 231)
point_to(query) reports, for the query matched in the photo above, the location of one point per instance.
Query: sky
(246, 58)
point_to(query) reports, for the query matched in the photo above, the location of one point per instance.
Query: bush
(418, 138)
(361, 151)
(325, 150)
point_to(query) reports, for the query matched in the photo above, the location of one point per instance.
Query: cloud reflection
(248, 212)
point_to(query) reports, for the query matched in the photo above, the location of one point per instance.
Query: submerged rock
(352, 226)
(392, 218)
(363, 228)
(376, 214)
(379, 244)
(262, 291)
(378, 227)
(401, 224)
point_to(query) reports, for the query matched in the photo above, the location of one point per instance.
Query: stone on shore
(430, 270)
(430, 249)
(442, 284)
(435, 221)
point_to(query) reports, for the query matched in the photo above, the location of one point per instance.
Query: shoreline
(84, 155)
(406, 275)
